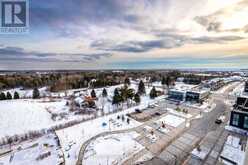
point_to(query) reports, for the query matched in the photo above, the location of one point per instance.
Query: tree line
(8, 96)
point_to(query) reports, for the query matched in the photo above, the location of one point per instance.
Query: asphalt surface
(206, 124)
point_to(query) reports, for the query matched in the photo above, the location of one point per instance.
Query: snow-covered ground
(171, 120)
(24, 115)
(232, 151)
(80, 133)
(20, 116)
(123, 146)
(31, 152)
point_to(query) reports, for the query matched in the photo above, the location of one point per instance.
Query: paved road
(206, 124)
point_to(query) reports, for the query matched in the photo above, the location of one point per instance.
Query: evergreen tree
(153, 93)
(93, 94)
(117, 97)
(137, 98)
(168, 81)
(36, 93)
(104, 93)
(126, 93)
(127, 81)
(16, 95)
(2, 96)
(163, 82)
(8, 96)
(141, 88)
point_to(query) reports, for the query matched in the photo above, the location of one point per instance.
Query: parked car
(218, 121)
(138, 111)
(157, 114)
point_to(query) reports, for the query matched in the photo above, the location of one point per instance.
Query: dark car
(218, 121)
(138, 111)
(157, 113)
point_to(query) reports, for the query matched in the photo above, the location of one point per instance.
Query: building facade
(196, 96)
(239, 116)
(176, 95)
(239, 119)
(246, 87)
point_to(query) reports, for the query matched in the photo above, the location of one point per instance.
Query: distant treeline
(62, 81)
(59, 81)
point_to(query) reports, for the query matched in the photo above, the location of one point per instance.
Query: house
(239, 115)
(196, 95)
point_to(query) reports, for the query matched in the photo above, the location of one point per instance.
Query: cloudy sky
(130, 34)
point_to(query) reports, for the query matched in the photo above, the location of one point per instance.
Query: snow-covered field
(122, 146)
(20, 116)
(31, 152)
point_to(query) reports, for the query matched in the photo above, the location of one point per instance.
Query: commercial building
(197, 96)
(185, 92)
(176, 95)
